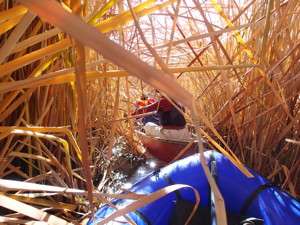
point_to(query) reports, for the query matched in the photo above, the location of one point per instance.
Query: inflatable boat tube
(253, 197)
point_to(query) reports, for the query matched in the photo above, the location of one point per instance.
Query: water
(128, 168)
(142, 171)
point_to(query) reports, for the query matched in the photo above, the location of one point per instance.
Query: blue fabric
(151, 118)
(272, 205)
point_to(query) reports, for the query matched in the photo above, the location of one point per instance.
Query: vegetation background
(67, 91)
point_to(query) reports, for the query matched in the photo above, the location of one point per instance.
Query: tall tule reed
(67, 91)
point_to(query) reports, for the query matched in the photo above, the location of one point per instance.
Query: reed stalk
(69, 82)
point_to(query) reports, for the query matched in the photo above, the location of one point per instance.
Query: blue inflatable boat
(248, 197)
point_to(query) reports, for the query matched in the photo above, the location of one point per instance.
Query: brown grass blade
(30, 211)
(15, 35)
(97, 41)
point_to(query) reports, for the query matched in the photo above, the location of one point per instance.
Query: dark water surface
(132, 168)
(128, 175)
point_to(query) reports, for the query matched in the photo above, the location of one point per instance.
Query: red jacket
(163, 105)
(142, 103)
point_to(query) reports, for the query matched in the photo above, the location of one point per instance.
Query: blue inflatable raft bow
(253, 197)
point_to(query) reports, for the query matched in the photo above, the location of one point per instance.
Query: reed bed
(69, 82)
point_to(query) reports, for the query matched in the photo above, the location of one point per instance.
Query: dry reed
(65, 98)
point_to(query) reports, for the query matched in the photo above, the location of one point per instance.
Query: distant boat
(166, 150)
(248, 197)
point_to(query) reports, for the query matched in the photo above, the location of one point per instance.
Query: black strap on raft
(254, 194)
(211, 159)
(214, 172)
(206, 215)
(143, 217)
(169, 180)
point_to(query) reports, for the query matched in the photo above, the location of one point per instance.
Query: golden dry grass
(66, 88)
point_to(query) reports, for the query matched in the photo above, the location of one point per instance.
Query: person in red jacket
(171, 121)
(142, 102)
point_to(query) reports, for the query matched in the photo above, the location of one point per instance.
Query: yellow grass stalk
(284, 132)
(232, 158)
(33, 32)
(97, 41)
(47, 136)
(290, 184)
(266, 32)
(40, 37)
(41, 202)
(11, 96)
(209, 34)
(115, 53)
(55, 31)
(113, 128)
(81, 92)
(42, 163)
(8, 25)
(16, 103)
(283, 19)
(229, 23)
(44, 65)
(160, 62)
(8, 220)
(9, 131)
(28, 119)
(258, 113)
(102, 11)
(174, 19)
(15, 35)
(11, 185)
(125, 17)
(30, 156)
(7, 164)
(8, 99)
(17, 171)
(30, 211)
(104, 26)
(64, 76)
(31, 57)
(35, 39)
(223, 76)
(9, 140)
(129, 109)
(250, 54)
(61, 166)
(13, 12)
(55, 47)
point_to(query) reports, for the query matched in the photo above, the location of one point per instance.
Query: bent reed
(69, 82)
